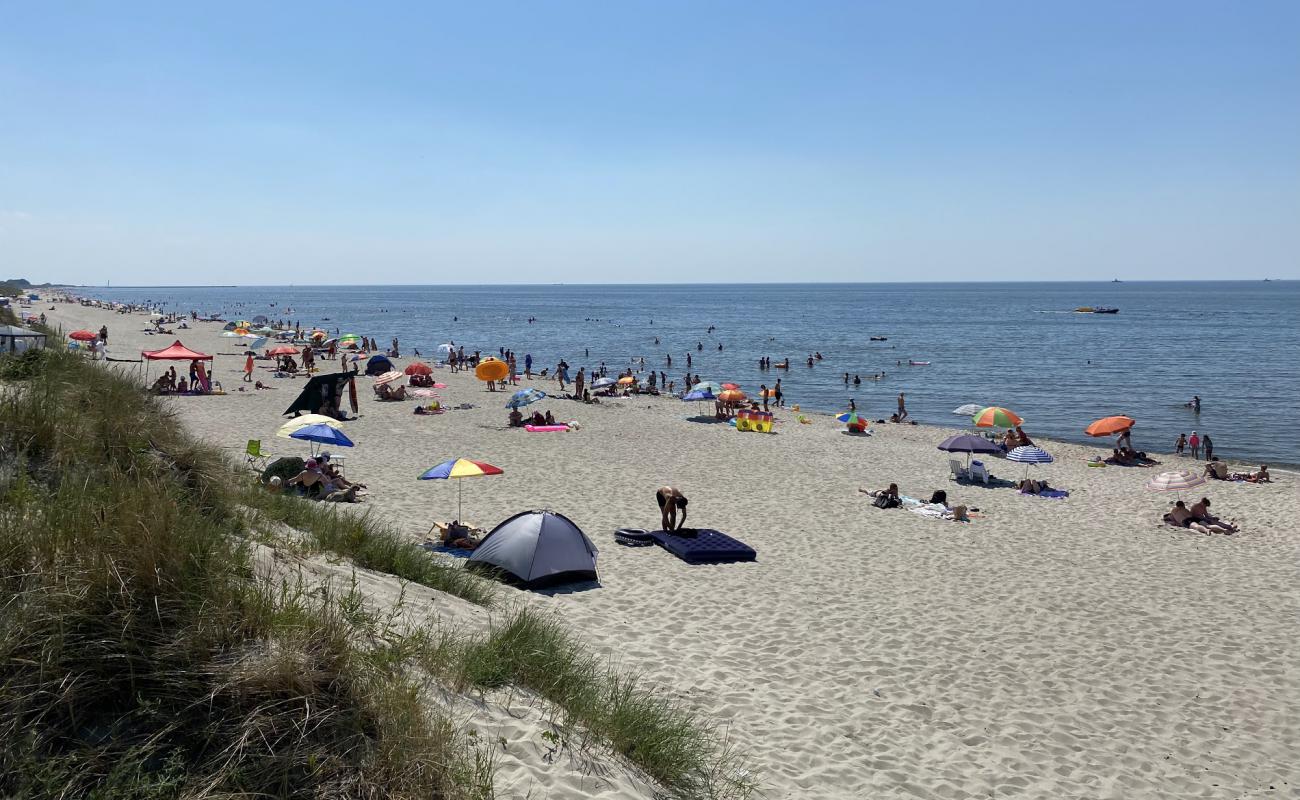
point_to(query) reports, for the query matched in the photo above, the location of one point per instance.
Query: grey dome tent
(534, 549)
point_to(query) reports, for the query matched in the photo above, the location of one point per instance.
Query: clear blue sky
(648, 141)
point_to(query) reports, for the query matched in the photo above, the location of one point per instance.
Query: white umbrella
(968, 410)
(1175, 482)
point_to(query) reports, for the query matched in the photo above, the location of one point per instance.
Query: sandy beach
(1068, 648)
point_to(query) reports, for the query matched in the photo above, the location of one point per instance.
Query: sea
(1018, 345)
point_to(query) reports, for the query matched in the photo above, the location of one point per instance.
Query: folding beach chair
(979, 473)
(255, 455)
(958, 471)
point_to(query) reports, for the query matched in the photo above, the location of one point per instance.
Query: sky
(644, 142)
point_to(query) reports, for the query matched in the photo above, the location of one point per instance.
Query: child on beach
(1180, 444)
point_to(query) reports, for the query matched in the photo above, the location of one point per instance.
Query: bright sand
(1049, 649)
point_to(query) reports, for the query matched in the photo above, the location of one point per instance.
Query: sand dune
(1051, 648)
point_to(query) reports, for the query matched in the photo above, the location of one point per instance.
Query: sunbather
(460, 536)
(1180, 517)
(887, 497)
(1253, 477)
(1201, 513)
(1214, 468)
(1031, 486)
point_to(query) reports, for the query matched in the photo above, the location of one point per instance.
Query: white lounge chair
(979, 473)
(958, 471)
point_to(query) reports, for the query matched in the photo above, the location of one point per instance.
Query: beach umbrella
(601, 383)
(298, 423)
(322, 434)
(491, 369)
(446, 348)
(968, 410)
(1175, 482)
(240, 331)
(260, 319)
(1108, 426)
(316, 335)
(1029, 454)
(731, 396)
(458, 468)
(730, 386)
(231, 334)
(853, 421)
(525, 397)
(968, 443)
(626, 380)
(282, 350)
(418, 368)
(83, 336)
(388, 377)
(707, 386)
(258, 343)
(698, 394)
(996, 417)
(242, 323)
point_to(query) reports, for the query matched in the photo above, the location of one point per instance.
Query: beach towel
(704, 546)
(454, 552)
(1053, 494)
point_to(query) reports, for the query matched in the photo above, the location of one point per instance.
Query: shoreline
(1067, 648)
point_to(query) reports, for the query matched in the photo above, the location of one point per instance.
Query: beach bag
(885, 501)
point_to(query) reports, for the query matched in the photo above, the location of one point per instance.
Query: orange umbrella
(732, 396)
(1109, 426)
(491, 369)
(419, 369)
(626, 380)
(83, 336)
(282, 350)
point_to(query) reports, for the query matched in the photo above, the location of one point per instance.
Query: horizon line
(696, 283)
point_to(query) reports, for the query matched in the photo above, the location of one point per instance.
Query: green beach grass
(142, 656)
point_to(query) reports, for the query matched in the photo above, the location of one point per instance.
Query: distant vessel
(1117, 280)
(1097, 310)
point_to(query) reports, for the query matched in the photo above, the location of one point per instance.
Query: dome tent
(378, 365)
(534, 549)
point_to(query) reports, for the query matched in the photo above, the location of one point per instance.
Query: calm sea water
(1236, 344)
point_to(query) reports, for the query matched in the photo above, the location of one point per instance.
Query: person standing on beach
(669, 500)
(1195, 443)
(763, 393)
(103, 333)
(780, 398)
(528, 367)
(1208, 444)
(579, 382)
(902, 408)
(562, 372)
(248, 367)
(1181, 444)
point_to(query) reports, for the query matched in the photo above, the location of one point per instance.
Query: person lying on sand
(311, 479)
(1201, 513)
(1180, 517)
(1253, 477)
(887, 497)
(1031, 486)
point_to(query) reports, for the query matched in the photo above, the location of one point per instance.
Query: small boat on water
(1097, 310)
(879, 338)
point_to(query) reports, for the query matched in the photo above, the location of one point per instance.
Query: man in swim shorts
(669, 500)
(902, 408)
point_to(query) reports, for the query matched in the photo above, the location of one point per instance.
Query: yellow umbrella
(490, 369)
(298, 423)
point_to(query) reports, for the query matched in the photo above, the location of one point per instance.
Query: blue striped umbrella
(1029, 454)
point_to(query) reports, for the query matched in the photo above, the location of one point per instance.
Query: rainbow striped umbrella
(460, 468)
(996, 417)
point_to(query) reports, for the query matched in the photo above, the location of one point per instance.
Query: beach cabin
(14, 339)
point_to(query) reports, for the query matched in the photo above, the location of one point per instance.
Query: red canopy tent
(179, 352)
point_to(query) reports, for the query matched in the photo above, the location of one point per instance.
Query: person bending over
(670, 500)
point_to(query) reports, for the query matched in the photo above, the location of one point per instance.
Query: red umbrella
(419, 369)
(730, 386)
(282, 350)
(83, 336)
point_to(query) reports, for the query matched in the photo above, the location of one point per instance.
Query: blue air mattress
(704, 546)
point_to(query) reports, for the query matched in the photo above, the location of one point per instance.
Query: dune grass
(141, 656)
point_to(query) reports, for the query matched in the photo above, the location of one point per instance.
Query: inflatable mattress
(704, 546)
